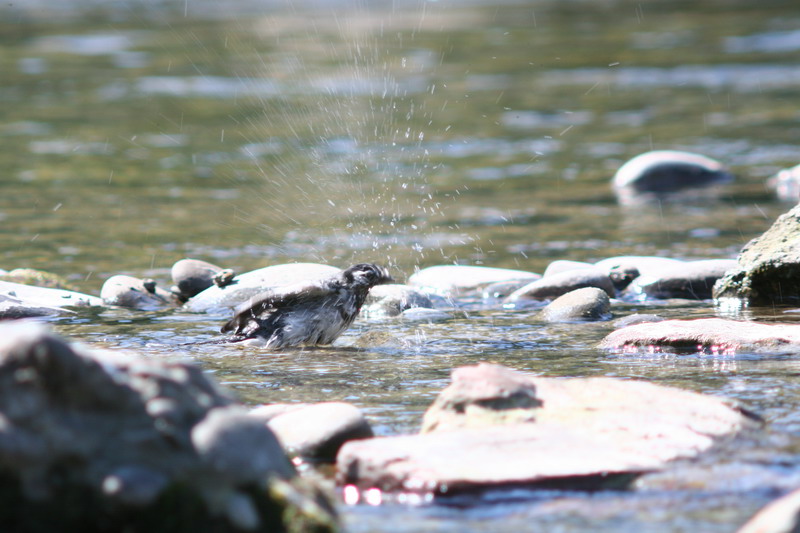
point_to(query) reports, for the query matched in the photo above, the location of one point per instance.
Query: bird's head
(366, 275)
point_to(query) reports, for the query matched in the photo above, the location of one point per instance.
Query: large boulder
(768, 268)
(493, 426)
(716, 335)
(101, 441)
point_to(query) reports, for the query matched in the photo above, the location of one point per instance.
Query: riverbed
(412, 134)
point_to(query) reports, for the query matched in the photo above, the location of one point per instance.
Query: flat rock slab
(220, 300)
(586, 432)
(40, 300)
(704, 333)
(448, 280)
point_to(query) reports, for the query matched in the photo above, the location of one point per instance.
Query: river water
(134, 134)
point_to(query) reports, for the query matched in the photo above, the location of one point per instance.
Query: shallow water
(411, 134)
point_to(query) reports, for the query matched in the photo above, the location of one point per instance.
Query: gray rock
(423, 314)
(20, 301)
(636, 318)
(563, 265)
(786, 184)
(589, 303)
(768, 268)
(220, 300)
(584, 432)
(192, 276)
(455, 280)
(135, 293)
(89, 433)
(692, 280)
(779, 516)
(551, 287)
(664, 171)
(501, 289)
(713, 334)
(316, 432)
(391, 300)
(646, 265)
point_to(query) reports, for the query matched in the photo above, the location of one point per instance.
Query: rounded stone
(193, 276)
(588, 303)
(664, 171)
(128, 291)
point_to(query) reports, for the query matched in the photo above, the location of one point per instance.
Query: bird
(308, 313)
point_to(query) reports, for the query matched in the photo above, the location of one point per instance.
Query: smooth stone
(17, 297)
(786, 184)
(715, 334)
(563, 265)
(664, 171)
(220, 300)
(129, 437)
(584, 432)
(239, 447)
(556, 285)
(646, 265)
(692, 280)
(454, 280)
(135, 293)
(768, 268)
(588, 303)
(38, 278)
(316, 432)
(193, 276)
(779, 516)
(392, 300)
(501, 289)
(636, 318)
(423, 314)
(15, 308)
(623, 275)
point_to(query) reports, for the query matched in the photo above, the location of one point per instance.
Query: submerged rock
(455, 280)
(664, 171)
(692, 280)
(135, 293)
(394, 299)
(768, 268)
(221, 299)
(555, 285)
(20, 301)
(94, 437)
(576, 433)
(714, 334)
(588, 303)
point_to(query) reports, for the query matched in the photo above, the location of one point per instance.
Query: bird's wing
(273, 300)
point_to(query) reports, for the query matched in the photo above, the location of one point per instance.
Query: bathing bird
(309, 313)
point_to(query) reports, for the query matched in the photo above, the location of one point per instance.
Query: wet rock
(692, 280)
(780, 516)
(786, 184)
(665, 171)
(636, 318)
(20, 301)
(582, 433)
(563, 265)
(37, 278)
(95, 437)
(646, 265)
(454, 280)
(391, 300)
(622, 275)
(556, 285)
(193, 276)
(316, 432)
(135, 293)
(768, 268)
(589, 303)
(714, 334)
(220, 300)
(501, 289)
(423, 314)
